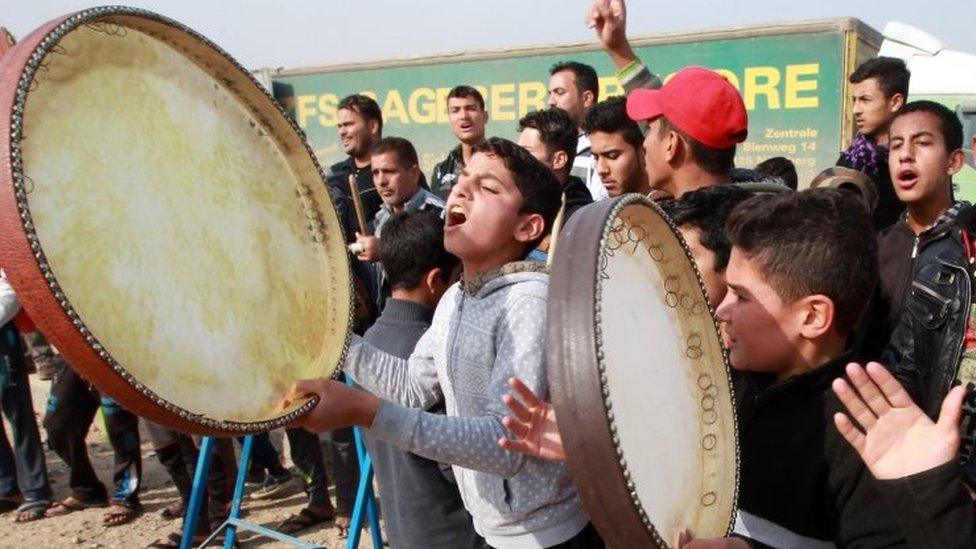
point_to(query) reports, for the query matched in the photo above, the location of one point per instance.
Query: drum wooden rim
(22, 257)
(579, 395)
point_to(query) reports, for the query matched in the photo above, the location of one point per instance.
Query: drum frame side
(577, 393)
(22, 257)
(573, 312)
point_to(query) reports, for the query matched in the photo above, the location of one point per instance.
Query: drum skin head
(165, 224)
(639, 378)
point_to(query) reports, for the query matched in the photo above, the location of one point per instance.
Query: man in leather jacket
(934, 344)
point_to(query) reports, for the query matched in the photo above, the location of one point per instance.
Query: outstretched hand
(339, 405)
(533, 422)
(609, 19)
(895, 438)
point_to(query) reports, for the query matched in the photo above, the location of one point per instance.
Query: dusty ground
(84, 528)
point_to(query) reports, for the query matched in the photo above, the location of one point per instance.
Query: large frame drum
(639, 378)
(165, 224)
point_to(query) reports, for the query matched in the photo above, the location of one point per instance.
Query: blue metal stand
(365, 498)
(233, 522)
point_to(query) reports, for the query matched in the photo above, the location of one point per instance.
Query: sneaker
(275, 487)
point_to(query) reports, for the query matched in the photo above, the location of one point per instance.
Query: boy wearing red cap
(695, 120)
(694, 123)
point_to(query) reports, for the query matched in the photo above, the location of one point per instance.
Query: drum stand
(365, 502)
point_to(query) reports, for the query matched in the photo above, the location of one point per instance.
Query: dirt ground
(84, 528)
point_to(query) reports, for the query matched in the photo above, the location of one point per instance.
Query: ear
(588, 99)
(415, 173)
(530, 228)
(956, 160)
(374, 127)
(433, 280)
(897, 101)
(674, 148)
(815, 315)
(559, 160)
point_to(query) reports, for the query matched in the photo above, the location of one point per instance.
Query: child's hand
(898, 439)
(339, 405)
(533, 422)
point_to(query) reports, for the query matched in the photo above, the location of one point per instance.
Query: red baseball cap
(699, 102)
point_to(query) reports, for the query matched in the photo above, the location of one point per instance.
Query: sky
(297, 33)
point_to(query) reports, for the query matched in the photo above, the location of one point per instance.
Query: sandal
(306, 518)
(71, 504)
(29, 511)
(121, 513)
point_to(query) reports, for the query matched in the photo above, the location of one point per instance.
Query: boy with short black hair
(879, 87)
(419, 497)
(487, 328)
(801, 270)
(468, 117)
(700, 216)
(932, 346)
(551, 137)
(616, 143)
(926, 142)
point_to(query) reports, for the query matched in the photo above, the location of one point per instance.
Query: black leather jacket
(927, 343)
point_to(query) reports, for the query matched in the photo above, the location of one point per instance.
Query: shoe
(275, 487)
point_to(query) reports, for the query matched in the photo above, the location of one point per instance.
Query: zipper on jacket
(915, 249)
(453, 343)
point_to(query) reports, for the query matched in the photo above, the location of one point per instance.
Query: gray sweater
(491, 329)
(419, 497)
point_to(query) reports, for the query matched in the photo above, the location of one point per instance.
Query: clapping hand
(533, 422)
(895, 438)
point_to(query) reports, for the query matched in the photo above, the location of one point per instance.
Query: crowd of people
(850, 430)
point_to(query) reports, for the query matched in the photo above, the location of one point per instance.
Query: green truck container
(792, 76)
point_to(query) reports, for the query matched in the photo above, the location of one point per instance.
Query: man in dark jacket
(467, 114)
(360, 126)
(550, 136)
(933, 345)
(879, 87)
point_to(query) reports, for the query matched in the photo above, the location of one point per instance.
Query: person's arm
(608, 18)
(933, 507)
(913, 457)
(9, 304)
(412, 382)
(471, 442)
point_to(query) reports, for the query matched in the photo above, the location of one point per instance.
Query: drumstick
(357, 203)
(557, 226)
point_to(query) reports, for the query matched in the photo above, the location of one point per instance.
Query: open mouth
(907, 178)
(456, 216)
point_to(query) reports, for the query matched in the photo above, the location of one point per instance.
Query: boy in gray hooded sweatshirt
(487, 328)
